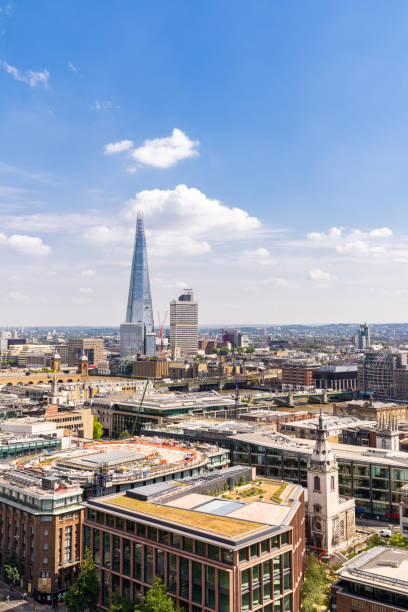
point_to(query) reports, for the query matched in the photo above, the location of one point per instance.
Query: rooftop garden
(261, 490)
(220, 525)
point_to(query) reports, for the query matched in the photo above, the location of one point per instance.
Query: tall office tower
(363, 337)
(139, 323)
(139, 308)
(184, 325)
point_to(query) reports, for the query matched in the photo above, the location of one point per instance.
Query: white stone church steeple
(327, 525)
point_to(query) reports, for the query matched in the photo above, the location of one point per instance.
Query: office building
(362, 339)
(373, 581)
(132, 339)
(119, 412)
(336, 377)
(40, 523)
(369, 409)
(373, 477)
(91, 347)
(212, 551)
(137, 333)
(184, 325)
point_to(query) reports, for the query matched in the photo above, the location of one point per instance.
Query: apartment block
(92, 347)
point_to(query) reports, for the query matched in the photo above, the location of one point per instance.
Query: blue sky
(266, 143)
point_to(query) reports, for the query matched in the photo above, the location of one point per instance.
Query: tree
(157, 600)
(120, 604)
(84, 593)
(315, 586)
(250, 349)
(398, 540)
(124, 434)
(97, 429)
(11, 572)
(224, 350)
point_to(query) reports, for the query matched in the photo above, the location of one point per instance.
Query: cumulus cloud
(118, 147)
(189, 210)
(181, 220)
(30, 77)
(88, 273)
(334, 232)
(165, 152)
(85, 290)
(19, 297)
(359, 247)
(72, 67)
(381, 232)
(320, 275)
(260, 255)
(31, 245)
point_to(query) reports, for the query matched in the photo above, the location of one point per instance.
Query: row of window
(177, 541)
(44, 504)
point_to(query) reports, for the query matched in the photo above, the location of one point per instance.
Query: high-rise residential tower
(184, 325)
(139, 314)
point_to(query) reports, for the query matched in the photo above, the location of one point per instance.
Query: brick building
(211, 552)
(40, 522)
(298, 375)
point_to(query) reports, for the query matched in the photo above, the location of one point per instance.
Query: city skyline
(271, 174)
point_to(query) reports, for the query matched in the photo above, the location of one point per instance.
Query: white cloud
(31, 245)
(72, 67)
(118, 147)
(19, 297)
(320, 275)
(260, 255)
(102, 234)
(359, 247)
(334, 232)
(165, 152)
(85, 290)
(88, 273)
(102, 105)
(188, 210)
(381, 232)
(30, 77)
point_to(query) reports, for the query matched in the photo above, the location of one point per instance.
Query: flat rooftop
(385, 567)
(219, 525)
(246, 511)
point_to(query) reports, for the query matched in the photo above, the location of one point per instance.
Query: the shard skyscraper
(137, 334)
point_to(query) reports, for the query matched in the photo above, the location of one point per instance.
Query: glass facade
(375, 487)
(139, 308)
(196, 573)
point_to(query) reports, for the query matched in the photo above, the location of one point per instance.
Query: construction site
(102, 468)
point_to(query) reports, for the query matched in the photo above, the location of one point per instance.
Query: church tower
(387, 434)
(323, 491)
(56, 362)
(83, 365)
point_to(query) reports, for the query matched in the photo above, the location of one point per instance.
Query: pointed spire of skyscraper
(139, 308)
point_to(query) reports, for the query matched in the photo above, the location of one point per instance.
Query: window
(44, 574)
(45, 546)
(45, 532)
(317, 508)
(316, 483)
(45, 561)
(332, 483)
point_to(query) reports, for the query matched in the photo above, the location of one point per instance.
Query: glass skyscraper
(139, 312)
(139, 308)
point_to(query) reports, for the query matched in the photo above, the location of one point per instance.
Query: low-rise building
(369, 409)
(118, 413)
(374, 581)
(79, 422)
(334, 426)
(213, 550)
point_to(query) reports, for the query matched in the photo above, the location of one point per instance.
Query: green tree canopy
(124, 434)
(120, 604)
(11, 572)
(157, 600)
(97, 429)
(84, 593)
(315, 587)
